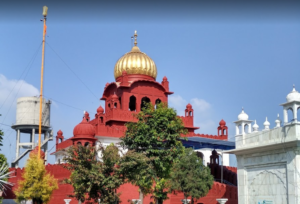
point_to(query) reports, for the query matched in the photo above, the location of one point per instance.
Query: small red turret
(223, 130)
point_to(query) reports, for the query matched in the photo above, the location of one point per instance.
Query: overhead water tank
(28, 111)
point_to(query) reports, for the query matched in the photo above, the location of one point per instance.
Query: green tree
(36, 184)
(136, 168)
(156, 134)
(93, 178)
(190, 176)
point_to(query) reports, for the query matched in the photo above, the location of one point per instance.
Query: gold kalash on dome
(135, 62)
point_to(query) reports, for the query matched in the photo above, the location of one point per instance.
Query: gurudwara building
(268, 160)
(135, 83)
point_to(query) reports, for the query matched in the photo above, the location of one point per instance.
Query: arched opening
(224, 132)
(240, 129)
(115, 105)
(290, 115)
(298, 114)
(101, 119)
(109, 105)
(158, 101)
(144, 101)
(186, 113)
(120, 102)
(79, 143)
(200, 155)
(86, 144)
(132, 103)
(58, 161)
(220, 159)
(60, 140)
(191, 113)
(246, 129)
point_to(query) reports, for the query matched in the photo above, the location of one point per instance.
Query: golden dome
(135, 62)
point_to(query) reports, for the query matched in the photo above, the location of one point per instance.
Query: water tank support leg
(46, 147)
(17, 147)
(33, 138)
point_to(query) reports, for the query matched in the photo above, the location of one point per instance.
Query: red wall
(128, 191)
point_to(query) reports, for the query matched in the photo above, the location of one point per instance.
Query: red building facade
(135, 83)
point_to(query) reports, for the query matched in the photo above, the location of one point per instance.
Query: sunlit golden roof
(135, 62)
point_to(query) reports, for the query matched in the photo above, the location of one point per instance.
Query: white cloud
(207, 126)
(10, 91)
(200, 105)
(178, 103)
(202, 113)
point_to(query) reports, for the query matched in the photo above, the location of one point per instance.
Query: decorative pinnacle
(135, 36)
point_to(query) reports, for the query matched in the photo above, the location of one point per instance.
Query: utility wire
(72, 71)
(19, 87)
(64, 103)
(34, 56)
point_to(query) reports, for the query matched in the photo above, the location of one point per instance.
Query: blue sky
(219, 57)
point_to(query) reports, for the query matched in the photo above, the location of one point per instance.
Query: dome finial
(267, 124)
(277, 121)
(294, 89)
(255, 127)
(135, 37)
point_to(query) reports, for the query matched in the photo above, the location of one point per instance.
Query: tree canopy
(94, 178)
(190, 176)
(36, 184)
(157, 135)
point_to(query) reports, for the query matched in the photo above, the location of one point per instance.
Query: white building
(268, 161)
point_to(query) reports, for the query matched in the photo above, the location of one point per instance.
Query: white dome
(255, 126)
(266, 123)
(243, 115)
(293, 95)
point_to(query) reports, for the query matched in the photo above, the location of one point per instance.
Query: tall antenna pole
(45, 11)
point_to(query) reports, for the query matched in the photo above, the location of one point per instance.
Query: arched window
(240, 129)
(115, 105)
(101, 119)
(109, 105)
(290, 115)
(246, 129)
(78, 143)
(144, 101)
(60, 140)
(298, 113)
(224, 132)
(191, 114)
(120, 102)
(186, 113)
(200, 155)
(86, 144)
(132, 103)
(157, 102)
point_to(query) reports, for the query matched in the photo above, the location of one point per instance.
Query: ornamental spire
(135, 37)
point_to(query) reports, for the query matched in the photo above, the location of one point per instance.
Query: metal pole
(45, 9)
(222, 169)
